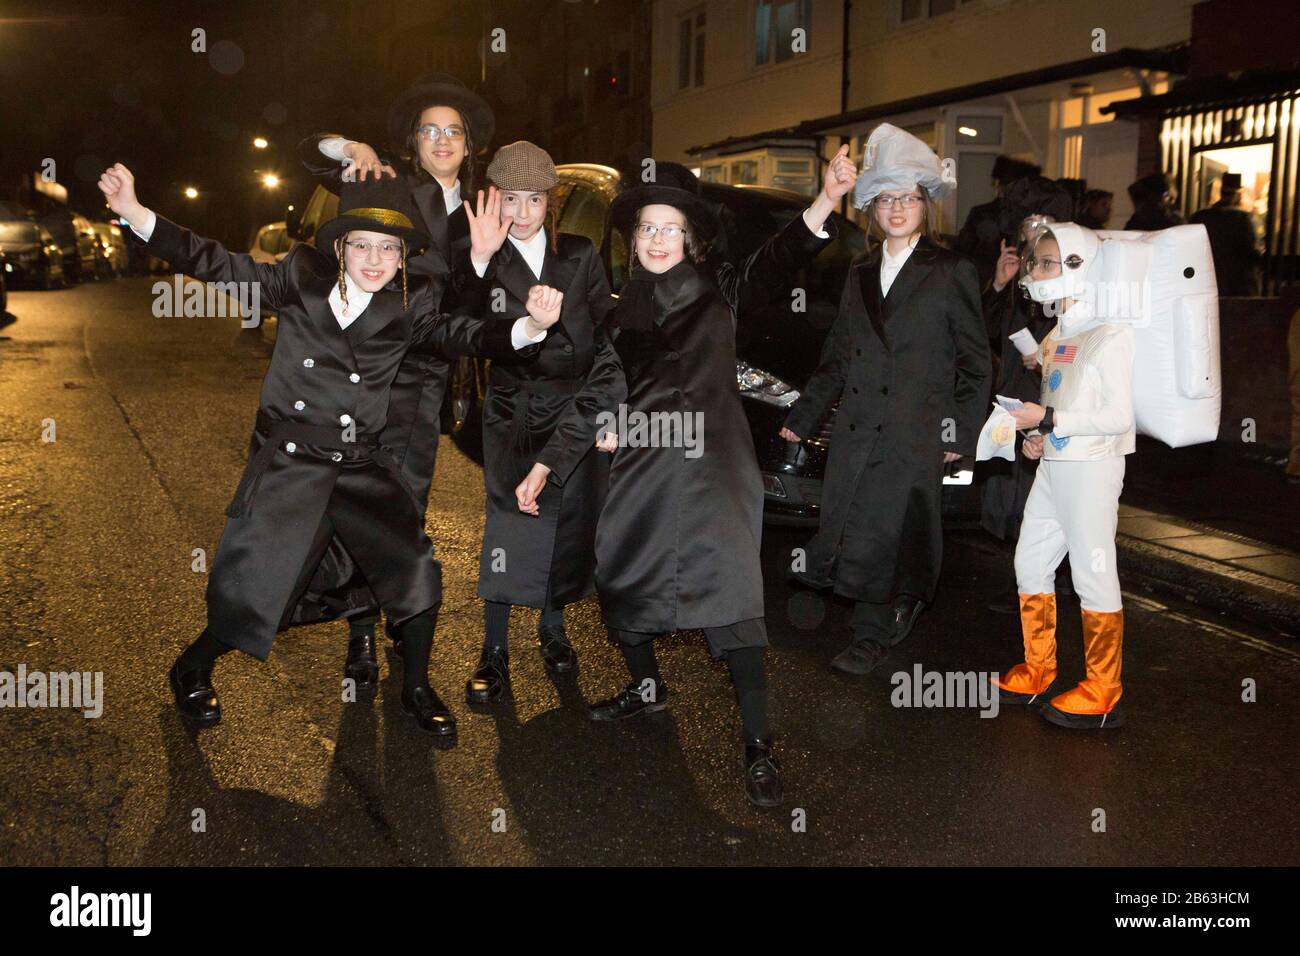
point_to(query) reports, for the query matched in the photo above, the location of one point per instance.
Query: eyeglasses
(1049, 265)
(361, 248)
(431, 132)
(648, 230)
(887, 202)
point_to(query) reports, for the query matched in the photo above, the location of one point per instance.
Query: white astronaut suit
(1073, 505)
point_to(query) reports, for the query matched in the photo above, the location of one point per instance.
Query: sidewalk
(1216, 524)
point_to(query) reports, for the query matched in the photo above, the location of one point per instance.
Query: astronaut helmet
(1058, 260)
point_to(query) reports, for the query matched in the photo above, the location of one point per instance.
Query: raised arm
(204, 259)
(329, 156)
(461, 334)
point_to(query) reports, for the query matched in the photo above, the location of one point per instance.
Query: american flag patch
(1064, 354)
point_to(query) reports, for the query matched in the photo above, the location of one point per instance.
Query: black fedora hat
(440, 89)
(672, 185)
(375, 205)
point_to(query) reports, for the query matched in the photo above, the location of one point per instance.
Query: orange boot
(1095, 701)
(1026, 682)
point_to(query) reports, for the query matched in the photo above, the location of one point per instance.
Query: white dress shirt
(332, 147)
(533, 250)
(890, 266)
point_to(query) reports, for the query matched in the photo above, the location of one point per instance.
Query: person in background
(1095, 208)
(1232, 239)
(1153, 204)
(980, 234)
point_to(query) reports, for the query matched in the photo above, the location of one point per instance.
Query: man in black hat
(318, 467)
(1153, 204)
(980, 233)
(435, 129)
(1232, 239)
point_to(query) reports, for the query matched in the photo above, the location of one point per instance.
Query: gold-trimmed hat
(375, 205)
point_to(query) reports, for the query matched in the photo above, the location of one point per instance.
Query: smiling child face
(658, 254)
(371, 258)
(528, 210)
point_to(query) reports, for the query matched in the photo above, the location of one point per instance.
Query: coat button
(885, 390)
(672, 356)
(354, 377)
(345, 419)
(879, 427)
(855, 390)
(290, 447)
(859, 351)
(677, 393)
(568, 349)
(307, 363)
(852, 427)
(337, 456)
(300, 405)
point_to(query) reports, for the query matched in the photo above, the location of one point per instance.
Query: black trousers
(729, 637)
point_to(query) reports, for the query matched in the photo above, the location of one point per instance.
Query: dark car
(32, 257)
(777, 347)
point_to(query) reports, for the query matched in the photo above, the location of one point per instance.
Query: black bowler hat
(440, 89)
(382, 204)
(673, 185)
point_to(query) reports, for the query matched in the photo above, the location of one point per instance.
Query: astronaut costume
(1073, 505)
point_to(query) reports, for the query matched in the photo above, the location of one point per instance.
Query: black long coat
(1232, 243)
(677, 545)
(414, 414)
(545, 410)
(341, 378)
(1006, 487)
(911, 371)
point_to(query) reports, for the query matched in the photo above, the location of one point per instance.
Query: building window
(690, 50)
(910, 10)
(744, 172)
(774, 24)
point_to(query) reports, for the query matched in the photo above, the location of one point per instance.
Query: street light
(270, 180)
(191, 192)
(260, 142)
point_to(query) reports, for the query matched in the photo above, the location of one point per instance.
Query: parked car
(113, 249)
(32, 256)
(777, 348)
(4, 288)
(76, 241)
(272, 243)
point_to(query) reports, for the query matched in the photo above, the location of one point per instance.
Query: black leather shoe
(489, 678)
(557, 653)
(906, 611)
(361, 665)
(196, 699)
(629, 702)
(860, 657)
(429, 711)
(762, 774)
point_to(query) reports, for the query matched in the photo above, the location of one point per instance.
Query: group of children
(328, 520)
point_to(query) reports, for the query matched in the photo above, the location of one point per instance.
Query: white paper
(1024, 341)
(963, 477)
(1010, 404)
(998, 436)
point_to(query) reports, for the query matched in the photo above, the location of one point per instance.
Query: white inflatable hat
(895, 159)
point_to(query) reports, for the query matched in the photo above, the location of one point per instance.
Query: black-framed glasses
(431, 133)
(888, 202)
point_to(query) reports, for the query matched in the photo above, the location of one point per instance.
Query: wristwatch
(1046, 425)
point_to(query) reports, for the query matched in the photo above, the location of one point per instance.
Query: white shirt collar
(896, 262)
(533, 250)
(451, 196)
(358, 299)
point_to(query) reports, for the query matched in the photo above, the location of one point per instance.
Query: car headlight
(764, 386)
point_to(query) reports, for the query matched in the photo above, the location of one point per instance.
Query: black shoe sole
(647, 709)
(775, 802)
(488, 698)
(429, 730)
(1042, 697)
(1083, 721)
(552, 668)
(367, 681)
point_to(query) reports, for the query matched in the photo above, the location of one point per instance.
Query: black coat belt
(324, 436)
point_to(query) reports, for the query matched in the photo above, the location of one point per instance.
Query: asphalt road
(97, 536)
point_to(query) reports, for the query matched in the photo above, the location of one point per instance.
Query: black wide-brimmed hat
(673, 185)
(1033, 196)
(440, 89)
(375, 205)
